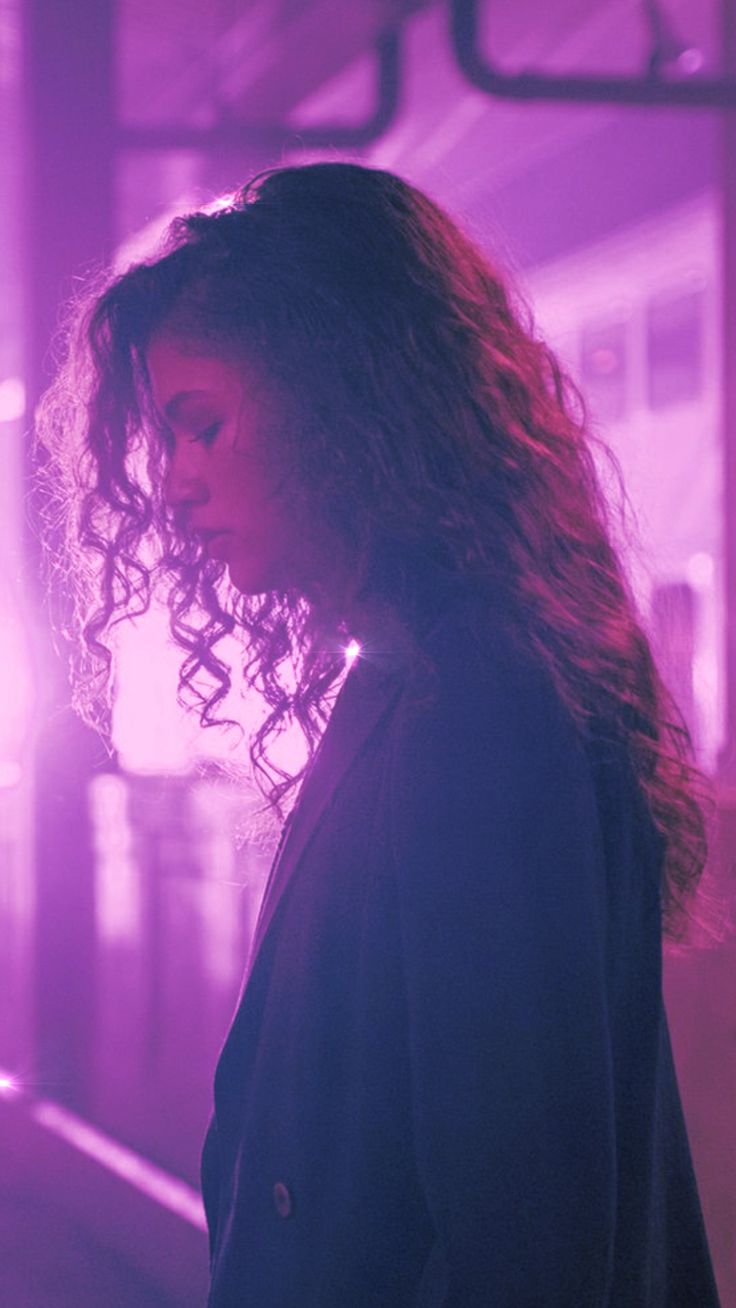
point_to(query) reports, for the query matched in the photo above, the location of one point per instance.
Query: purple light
(352, 650)
(152, 1181)
(12, 399)
(118, 907)
(690, 61)
(17, 691)
(152, 732)
(149, 728)
(9, 1088)
(10, 773)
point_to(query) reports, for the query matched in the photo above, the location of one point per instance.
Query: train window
(674, 326)
(603, 369)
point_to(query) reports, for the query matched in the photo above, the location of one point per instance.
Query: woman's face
(220, 416)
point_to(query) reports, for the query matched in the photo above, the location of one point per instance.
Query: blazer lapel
(361, 703)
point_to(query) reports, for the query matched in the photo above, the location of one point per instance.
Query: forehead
(174, 368)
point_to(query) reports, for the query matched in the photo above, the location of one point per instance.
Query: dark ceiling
(548, 173)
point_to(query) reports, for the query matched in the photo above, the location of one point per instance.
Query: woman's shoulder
(474, 624)
(480, 702)
(474, 653)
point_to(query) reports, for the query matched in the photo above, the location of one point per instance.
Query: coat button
(282, 1199)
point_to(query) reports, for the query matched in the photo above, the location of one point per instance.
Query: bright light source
(9, 1088)
(222, 202)
(146, 1177)
(352, 650)
(12, 399)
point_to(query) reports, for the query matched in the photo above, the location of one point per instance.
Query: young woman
(319, 416)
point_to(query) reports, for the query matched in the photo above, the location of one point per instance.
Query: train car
(636, 321)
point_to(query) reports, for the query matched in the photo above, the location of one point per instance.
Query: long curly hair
(432, 423)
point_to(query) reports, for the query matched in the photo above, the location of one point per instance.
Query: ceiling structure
(306, 62)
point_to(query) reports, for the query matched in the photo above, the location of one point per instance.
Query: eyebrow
(173, 407)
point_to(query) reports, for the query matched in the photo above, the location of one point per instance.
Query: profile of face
(219, 414)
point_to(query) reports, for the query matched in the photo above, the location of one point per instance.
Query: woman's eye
(207, 436)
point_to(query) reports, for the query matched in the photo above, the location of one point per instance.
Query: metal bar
(233, 132)
(68, 226)
(701, 93)
(727, 758)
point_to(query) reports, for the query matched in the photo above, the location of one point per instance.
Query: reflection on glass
(603, 369)
(675, 348)
(117, 877)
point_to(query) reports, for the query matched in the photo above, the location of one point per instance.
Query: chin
(246, 576)
(255, 577)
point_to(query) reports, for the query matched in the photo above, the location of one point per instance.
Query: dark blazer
(448, 1082)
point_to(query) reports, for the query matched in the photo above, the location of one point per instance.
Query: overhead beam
(234, 132)
(481, 72)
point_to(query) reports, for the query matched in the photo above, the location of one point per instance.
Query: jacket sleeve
(501, 902)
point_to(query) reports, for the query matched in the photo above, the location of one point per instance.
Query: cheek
(260, 491)
(251, 501)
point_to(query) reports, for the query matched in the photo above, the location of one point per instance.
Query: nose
(183, 483)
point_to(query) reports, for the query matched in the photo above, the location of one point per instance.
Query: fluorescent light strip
(152, 1181)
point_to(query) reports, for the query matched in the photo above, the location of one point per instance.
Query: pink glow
(150, 1180)
(118, 906)
(9, 1088)
(17, 691)
(153, 734)
(12, 399)
(149, 729)
(10, 773)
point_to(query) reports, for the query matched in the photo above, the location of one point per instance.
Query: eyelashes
(206, 437)
(209, 435)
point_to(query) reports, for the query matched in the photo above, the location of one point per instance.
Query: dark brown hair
(432, 423)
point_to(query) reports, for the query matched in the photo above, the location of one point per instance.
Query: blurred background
(590, 146)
